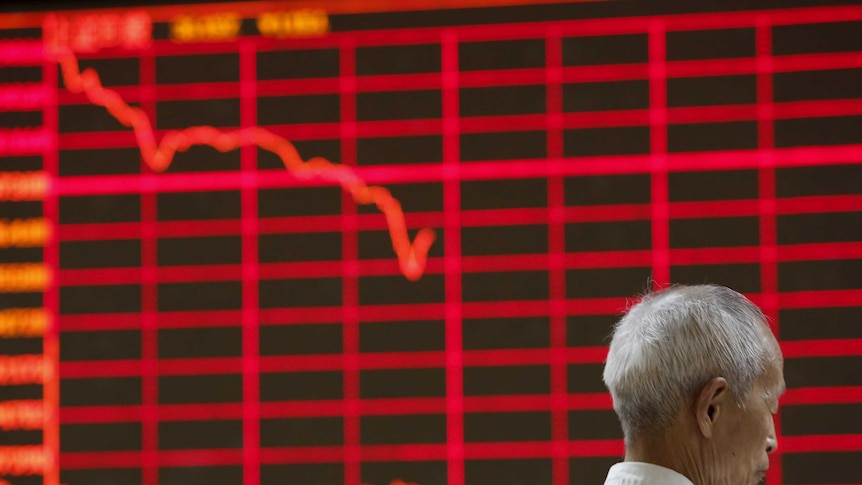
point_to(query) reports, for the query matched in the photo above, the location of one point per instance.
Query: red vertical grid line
(659, 206)
(350, 269)
(250, 297)
(149, 291)
(51, 260)
(557, 258)
(767, 205)
(452, 259)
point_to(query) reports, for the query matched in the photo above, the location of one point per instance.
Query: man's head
(700, 364)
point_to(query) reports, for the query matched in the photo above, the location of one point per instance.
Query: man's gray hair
(674, 341)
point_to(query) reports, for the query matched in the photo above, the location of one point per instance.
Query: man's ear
(708, 404)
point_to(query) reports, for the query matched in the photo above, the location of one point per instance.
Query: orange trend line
(159, 156)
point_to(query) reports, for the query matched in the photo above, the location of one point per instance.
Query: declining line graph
(158, 156)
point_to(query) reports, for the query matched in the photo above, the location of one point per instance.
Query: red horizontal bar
(604, 165)
(822, 298)
(820, 251)
(821, 443)
(322, 454)
(822, 395)
(822, 348)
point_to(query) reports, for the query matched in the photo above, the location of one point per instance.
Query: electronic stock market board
(315, 243)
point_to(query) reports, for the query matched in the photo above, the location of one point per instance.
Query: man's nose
(771, 443)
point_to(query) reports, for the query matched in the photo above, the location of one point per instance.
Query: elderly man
(695, 374)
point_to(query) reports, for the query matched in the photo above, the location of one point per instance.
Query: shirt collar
(637, 473)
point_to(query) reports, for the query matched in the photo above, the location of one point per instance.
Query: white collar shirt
(637, 473)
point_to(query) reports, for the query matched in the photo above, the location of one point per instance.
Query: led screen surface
(312, 245)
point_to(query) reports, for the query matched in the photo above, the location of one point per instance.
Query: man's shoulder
(639, 473)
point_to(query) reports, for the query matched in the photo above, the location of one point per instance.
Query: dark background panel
(199, 250)
(590, 330)
(300, 292)
(189, 206)
(513, 426)
(200, 475)
(100, 437)
(503, 146)
(836, 467)
(199, 68)
(590, 469)
(504, 194)
(501, 54)
(391, 290)
(398, 59)
(508, 472)
(610, 49)
(388, 383)
(816, 38)
(410, 471)
(298, 201)
(99, 208)
(176, 115)
(822, 371)
(827, 130)
(609, 95)
(297, 64)
(607, 189)
(402, 429)
(820, 275)
(591, 142)
(732, 135)
(594, 425)
(101, 476)
(503, 380)
(585, 378)
(820, 323)
(714, 232)
(117, 253)
(399, 150)
(323, 473)
(100, 391)
(211, 295)
(180, 343)
(403, 336)
(100, 345)
(505, 333)
(505, 286)
(399, 105)
(609, 236)
(744, 278)
(820, 228)
(300, 339)
(211, 388)
(100, 299)
(305, 431)
(503, 240)
(710, 44)
(309, 108)
(713, 185)
(821, 419)
(712, 90)
(186, 435)
(831, 180)
(505, 100)
(301, 386)
(105, 161)
(811, 85)
(607, 282)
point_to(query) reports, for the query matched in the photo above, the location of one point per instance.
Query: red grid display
(471, 277)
